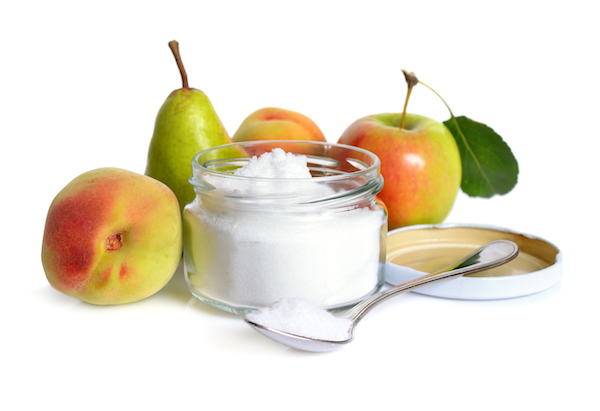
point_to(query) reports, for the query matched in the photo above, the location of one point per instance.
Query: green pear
(185, 125)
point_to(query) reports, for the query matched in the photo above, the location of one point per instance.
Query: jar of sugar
(281, 220)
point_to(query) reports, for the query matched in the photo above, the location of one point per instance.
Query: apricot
(274, 123)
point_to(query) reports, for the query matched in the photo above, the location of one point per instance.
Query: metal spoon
(488, 256)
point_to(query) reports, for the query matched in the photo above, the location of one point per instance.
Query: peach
(112, 236)
(272, 123)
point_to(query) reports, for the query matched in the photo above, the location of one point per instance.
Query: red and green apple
(420, 164)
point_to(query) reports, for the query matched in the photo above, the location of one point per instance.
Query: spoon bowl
(299, 342)
(490, 255)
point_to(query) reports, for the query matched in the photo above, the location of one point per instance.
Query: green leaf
(488, 164)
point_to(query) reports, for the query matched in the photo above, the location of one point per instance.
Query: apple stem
(405, 105)
(412, 81)
(174, 45)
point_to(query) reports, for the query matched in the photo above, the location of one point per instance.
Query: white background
(80, 86)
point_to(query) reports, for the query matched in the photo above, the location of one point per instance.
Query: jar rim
(355, 162)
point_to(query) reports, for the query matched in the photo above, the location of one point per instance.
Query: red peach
(112, 236)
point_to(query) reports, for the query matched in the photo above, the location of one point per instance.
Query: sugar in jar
(285, 219)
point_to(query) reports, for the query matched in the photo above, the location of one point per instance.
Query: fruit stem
(412, 81)
(441, 98)
(174, 45)
(114, 242)
(459, 130)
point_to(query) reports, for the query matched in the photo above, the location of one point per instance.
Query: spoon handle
(490, 255)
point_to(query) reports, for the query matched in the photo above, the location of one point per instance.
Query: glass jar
(249, 241)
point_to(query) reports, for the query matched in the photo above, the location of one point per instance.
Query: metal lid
(426, 248)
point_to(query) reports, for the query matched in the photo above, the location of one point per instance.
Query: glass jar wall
(251, 241)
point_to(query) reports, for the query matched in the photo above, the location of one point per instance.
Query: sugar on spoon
(492, 254)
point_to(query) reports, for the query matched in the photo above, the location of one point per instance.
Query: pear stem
(174, 45)
(412, 81)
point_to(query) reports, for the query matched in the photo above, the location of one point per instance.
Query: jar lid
(415, 250)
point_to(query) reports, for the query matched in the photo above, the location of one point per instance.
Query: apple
(420, 165)
(112, 236)
(272, 123)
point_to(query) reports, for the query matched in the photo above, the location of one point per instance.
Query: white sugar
(275, 164)
(275, 173)
(301, 317)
